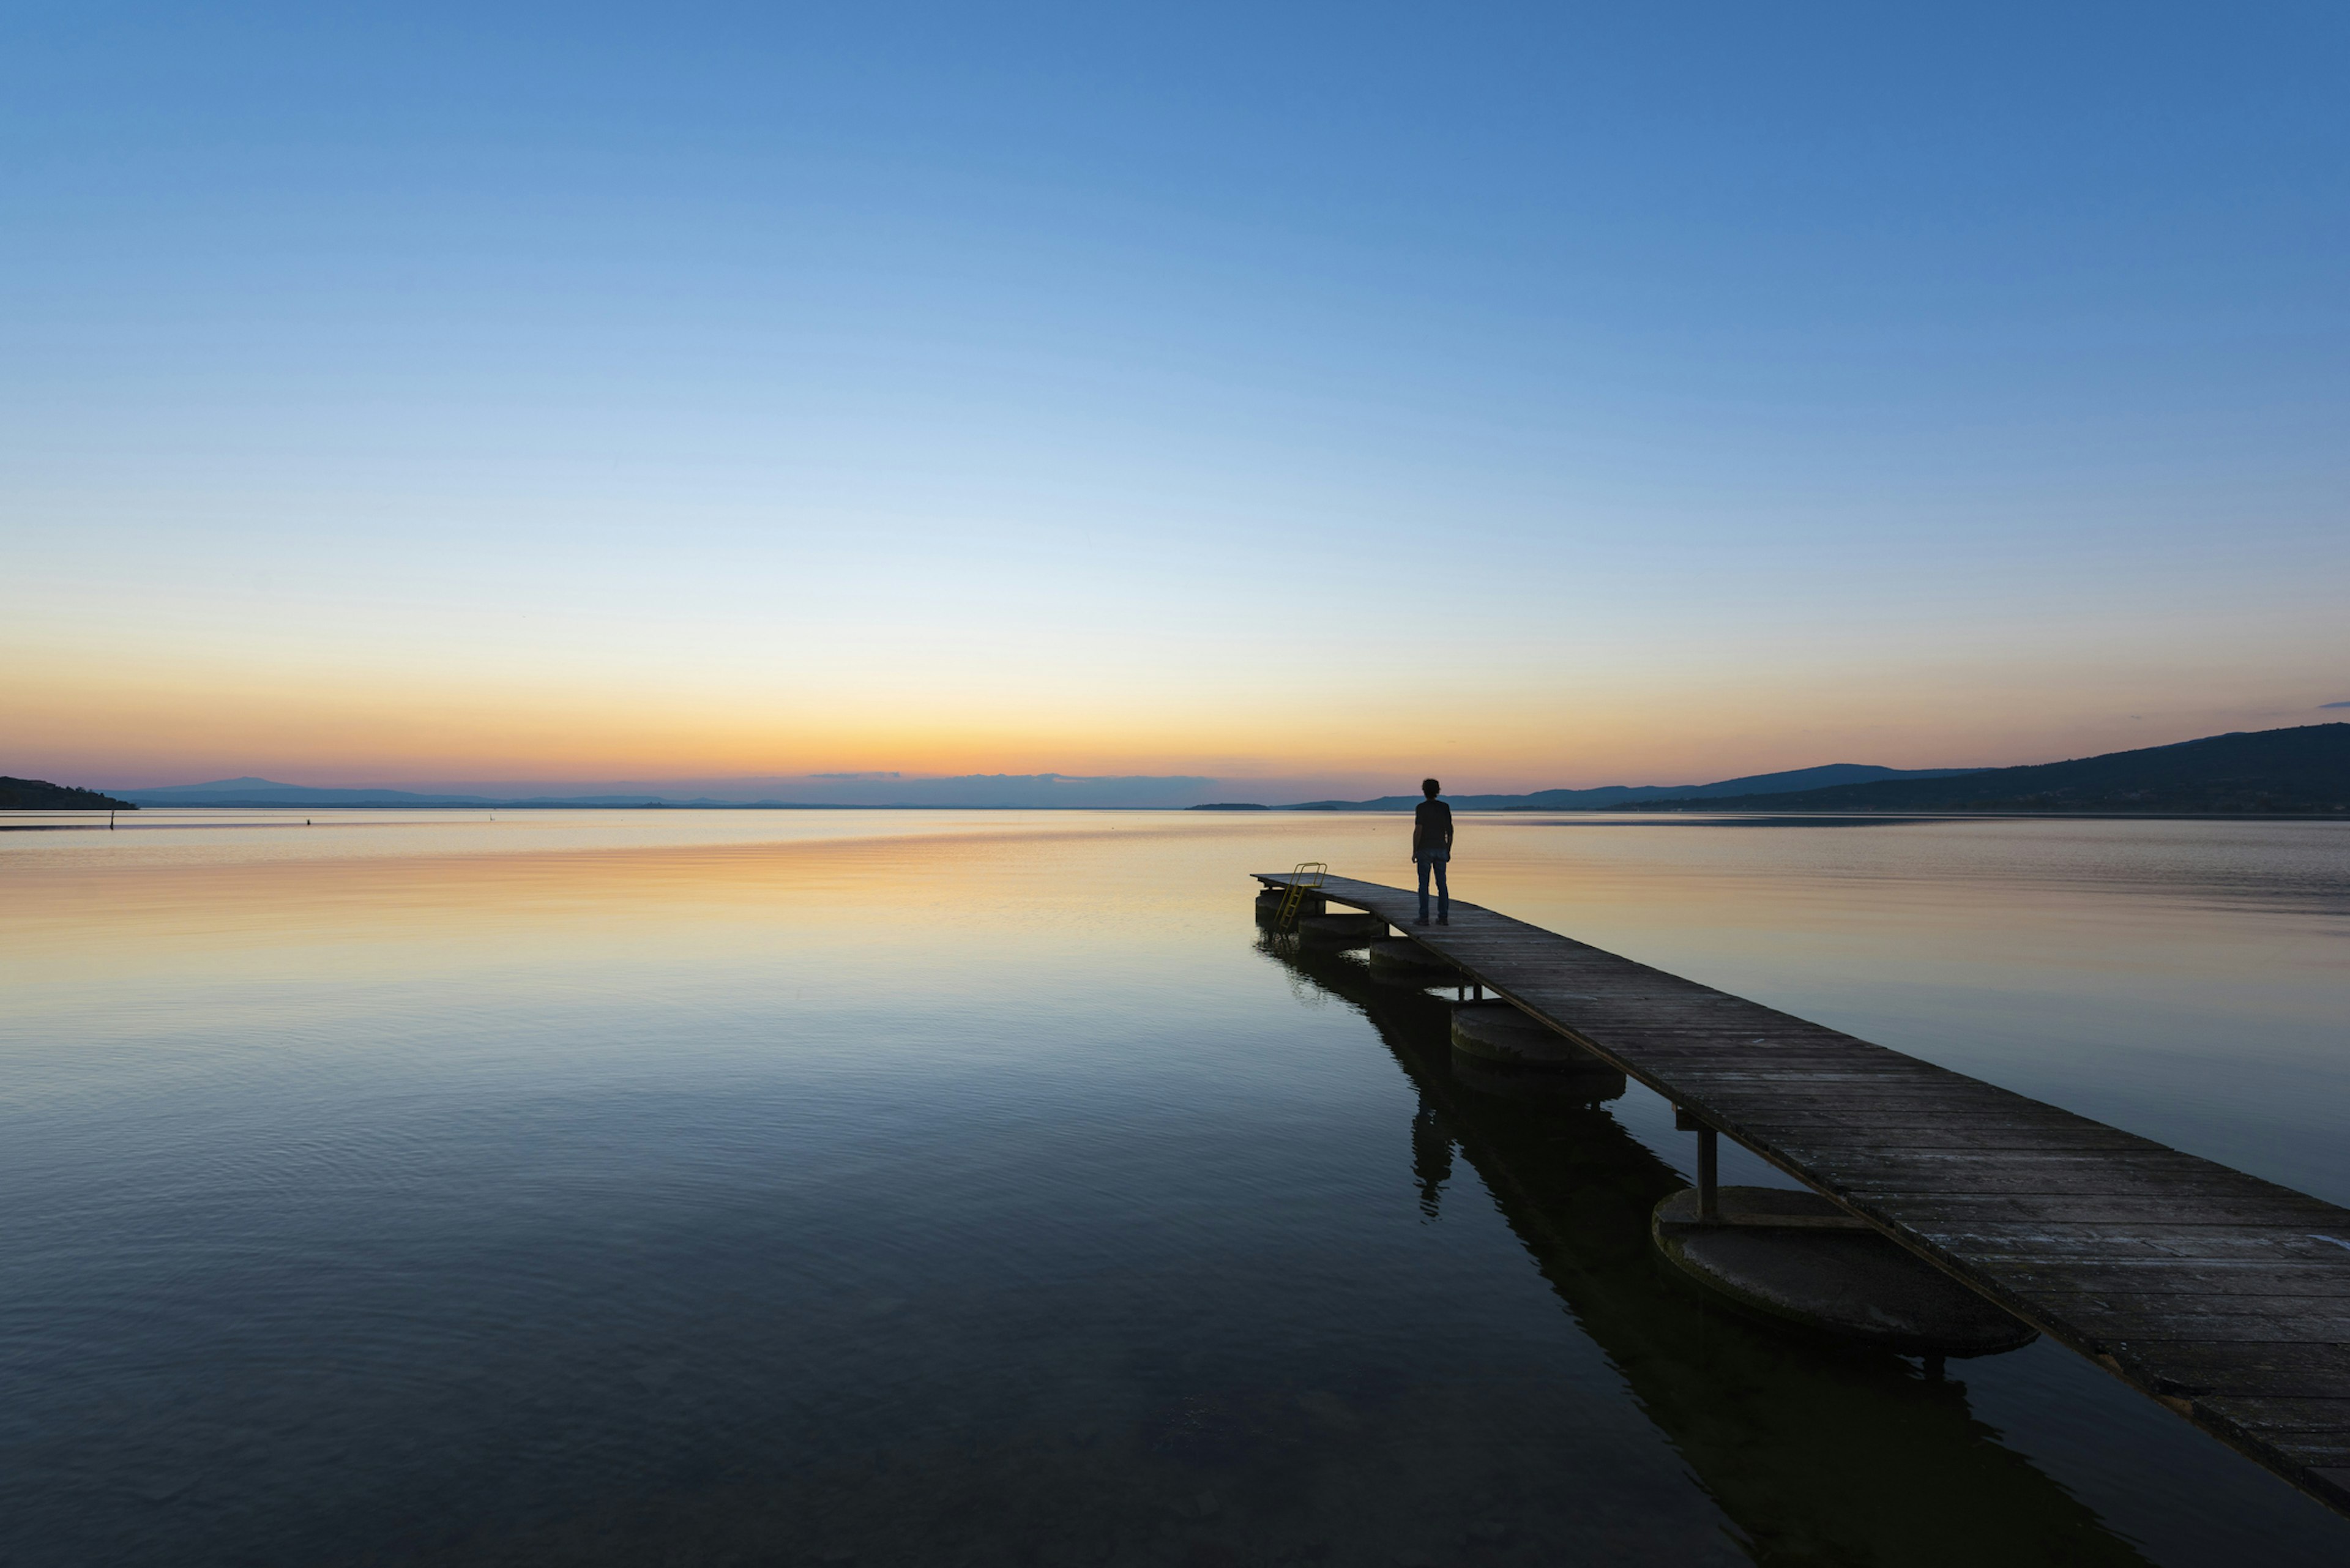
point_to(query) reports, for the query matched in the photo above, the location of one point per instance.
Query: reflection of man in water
(1431, 847)
(1431, 1156)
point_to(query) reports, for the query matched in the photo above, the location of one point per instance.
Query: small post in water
(1709, 1162)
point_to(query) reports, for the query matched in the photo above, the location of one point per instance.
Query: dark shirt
(1432, 831)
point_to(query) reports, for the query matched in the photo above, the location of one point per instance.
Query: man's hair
(1431, 788)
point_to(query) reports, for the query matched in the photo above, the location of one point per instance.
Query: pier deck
(2223, 1296)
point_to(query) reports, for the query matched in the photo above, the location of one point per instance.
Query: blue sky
(1580, 394)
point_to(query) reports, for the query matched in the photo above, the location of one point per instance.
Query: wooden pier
(2223, 1296)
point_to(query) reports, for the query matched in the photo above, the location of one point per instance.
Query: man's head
(1429, 788)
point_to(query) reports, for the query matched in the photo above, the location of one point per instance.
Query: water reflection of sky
(938, 1185)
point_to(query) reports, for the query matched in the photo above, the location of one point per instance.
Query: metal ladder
(1306, 877)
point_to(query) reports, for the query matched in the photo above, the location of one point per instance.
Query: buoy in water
(1796, 1260)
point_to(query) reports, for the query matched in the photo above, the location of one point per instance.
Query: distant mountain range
(1006, 790)
(269, 792)
(1607, 796)
(814, 793)
(2301, 770)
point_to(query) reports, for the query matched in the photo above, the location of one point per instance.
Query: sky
(1306, 398)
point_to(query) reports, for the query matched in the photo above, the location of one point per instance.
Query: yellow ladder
(1307, 877)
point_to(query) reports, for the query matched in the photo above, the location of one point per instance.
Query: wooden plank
(2154, 1243)
(2257, 1371)
(2037, 1173)
(1857, 1102)
(2195, 1279)
(2279, 1415)
(1861, 1110)
(2328, 1455)
(2184, 1311)
(1919, 1211)
(2146, 1159)
(1928, 1135)
(2154, 1326)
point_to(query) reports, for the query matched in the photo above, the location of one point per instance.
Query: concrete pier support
(1268, 906)
(1796, 1260)
(1342, 931)
(1498, 1050)
(1401, 958)
(1500, 1032)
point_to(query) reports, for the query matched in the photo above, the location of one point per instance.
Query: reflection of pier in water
(1820, 1453)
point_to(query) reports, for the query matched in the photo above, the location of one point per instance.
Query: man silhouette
(1431, 849)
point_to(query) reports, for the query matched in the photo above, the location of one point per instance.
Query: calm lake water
(936, 1187)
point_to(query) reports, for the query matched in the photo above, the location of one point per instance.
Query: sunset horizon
(774, 399)
(1293, 785)
(1704, 764)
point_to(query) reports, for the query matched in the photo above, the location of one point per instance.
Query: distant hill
(811, 791)
(39, 795)
(269, 792)
(2301, 770)
(1607, 796)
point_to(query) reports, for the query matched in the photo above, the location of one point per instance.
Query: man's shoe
(1444, 920)
(1421, 921)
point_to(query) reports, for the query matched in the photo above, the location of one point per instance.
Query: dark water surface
(779, 1187)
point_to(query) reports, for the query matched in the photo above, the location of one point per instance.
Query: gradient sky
(1546, 395)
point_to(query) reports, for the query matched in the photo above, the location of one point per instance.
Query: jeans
(1444, 892)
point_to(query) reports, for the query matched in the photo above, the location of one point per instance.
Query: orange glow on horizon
(119, 720)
